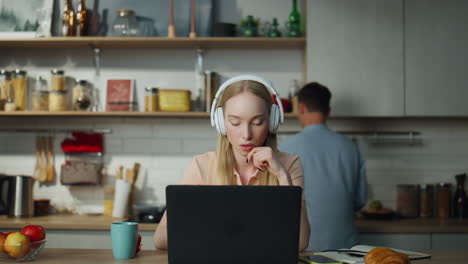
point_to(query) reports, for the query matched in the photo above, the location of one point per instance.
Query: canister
(426, 200)
(151, 99)
(57, 80)
(20, 84)
(57, 101)
(408, 200)
(172, 100)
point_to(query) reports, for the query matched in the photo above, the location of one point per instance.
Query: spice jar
(426, 200)
(151, 99)
(443, 196)
(10, 105)
(57, 101)
(58, 80)
(81, 99)
(20, 84)
(408, 200)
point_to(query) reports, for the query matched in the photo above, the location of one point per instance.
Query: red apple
(2, 241)
(34, 232)
(17, 245)
(138, 248)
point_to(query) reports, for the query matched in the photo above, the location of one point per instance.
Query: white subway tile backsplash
(170, 161)
(197, 146)
(165, 146)
(152, 146)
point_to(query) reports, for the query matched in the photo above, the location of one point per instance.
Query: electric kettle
(16, 195)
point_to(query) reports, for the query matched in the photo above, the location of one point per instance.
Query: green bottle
(294, 28)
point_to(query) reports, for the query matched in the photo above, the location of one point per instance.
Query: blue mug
(124, 236)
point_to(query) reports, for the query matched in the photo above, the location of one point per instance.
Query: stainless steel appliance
(16, 196)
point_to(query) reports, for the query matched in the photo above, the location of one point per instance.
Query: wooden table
(83, 256)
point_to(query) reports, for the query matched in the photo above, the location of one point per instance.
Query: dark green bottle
(294, 28)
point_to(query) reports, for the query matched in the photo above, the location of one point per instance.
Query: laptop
(233, 224)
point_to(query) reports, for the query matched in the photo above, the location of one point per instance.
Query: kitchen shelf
(155, 42)
(115, 114)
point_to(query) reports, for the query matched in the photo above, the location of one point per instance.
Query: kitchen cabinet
(420, 241)
(435, 57)
(356, 49)
(449, 241)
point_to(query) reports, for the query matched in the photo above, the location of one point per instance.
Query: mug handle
(3, 204)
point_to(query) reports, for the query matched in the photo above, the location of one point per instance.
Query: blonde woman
(246, 153)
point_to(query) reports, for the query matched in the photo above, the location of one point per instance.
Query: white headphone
(276, 111)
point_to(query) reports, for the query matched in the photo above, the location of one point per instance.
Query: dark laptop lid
(233, 224)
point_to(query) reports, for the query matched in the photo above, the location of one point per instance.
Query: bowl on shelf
(18, 252)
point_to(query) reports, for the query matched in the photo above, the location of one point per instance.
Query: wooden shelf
(154, 42)
(114, 114)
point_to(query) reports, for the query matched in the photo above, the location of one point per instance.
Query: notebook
(356, 254)
(233, 224)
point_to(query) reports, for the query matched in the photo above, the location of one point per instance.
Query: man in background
(334, 174)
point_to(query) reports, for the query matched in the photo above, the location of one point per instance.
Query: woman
(247, 151)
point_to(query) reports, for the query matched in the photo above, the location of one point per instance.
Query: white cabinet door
(356, 49)
(452, 241)
(436, 45)
(418, 241)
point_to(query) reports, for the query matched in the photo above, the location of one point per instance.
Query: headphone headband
(245, 77)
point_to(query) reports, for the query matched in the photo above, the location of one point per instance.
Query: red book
(119, 95)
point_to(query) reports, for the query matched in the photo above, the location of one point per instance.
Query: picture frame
(25, 18)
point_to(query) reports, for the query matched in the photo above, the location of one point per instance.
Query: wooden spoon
(50, 160)
(37, 171)
(43, 163)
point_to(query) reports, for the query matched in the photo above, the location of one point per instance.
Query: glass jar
(151, 99)
(81, 99)
(125, 24)
(40, 100)
(108, 201)
(426, 200)
(408, 200)
(40, 96)
(57, 80)
(10, 105)
(57, 101)
(20, 84)
(443, 196)
(5, 87)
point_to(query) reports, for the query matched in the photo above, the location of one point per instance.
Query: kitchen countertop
(103, 256)
(85, 222)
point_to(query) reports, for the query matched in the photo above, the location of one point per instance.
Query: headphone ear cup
(219, 120)
(274, 118)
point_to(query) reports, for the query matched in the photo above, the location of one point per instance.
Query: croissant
(384, 255)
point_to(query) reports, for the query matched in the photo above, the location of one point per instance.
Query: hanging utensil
(50, 160)
(43, 163)
(37, 171)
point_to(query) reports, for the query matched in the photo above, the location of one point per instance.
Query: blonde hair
(224, 153)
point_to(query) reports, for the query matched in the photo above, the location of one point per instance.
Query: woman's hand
(264, 158)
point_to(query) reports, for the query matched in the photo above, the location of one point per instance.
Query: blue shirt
(334, 185)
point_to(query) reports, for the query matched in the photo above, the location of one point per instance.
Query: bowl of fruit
(22, 246)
